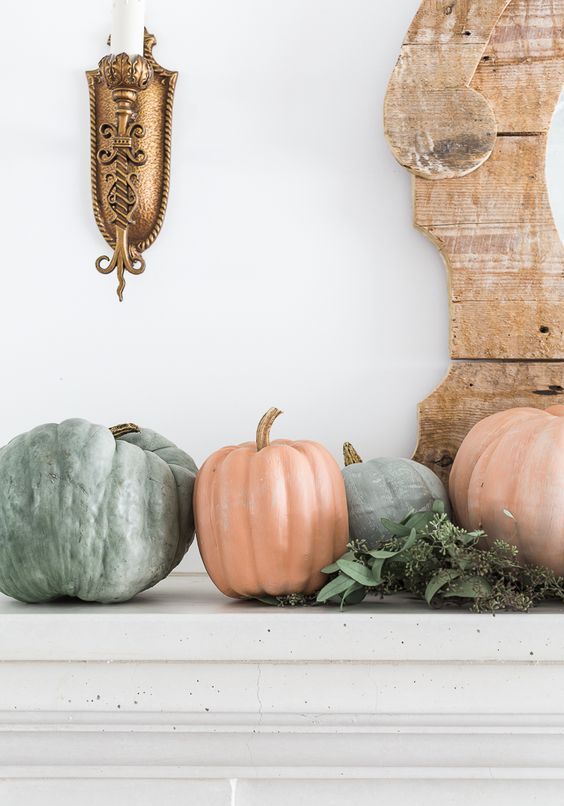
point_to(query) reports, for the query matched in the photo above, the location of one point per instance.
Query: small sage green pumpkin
(386, 488)
(90, 512)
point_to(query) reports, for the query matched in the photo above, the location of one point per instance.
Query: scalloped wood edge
(487, 213)
(436, 125)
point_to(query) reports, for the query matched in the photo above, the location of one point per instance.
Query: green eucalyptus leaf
(336, 586)
(439, 581)
(407, 516)
(268, 600)
(410, 542)
(351, 596)
(470, 588)
(387, 554)
(360, 573)
(383, 554)
(377, 570)
(471, 538)
(333, 568)
(420, 520)
(395, 529)
(357, 597)
(439, 507)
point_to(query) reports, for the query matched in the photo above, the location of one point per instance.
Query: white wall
(287, 272)
(555, 165)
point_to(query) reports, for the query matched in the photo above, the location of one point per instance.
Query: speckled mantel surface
(186, 618)
(182, 695)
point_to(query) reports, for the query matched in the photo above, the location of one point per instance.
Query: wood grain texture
(437, 126)
(500, 215)
(459, 22)
(493, 223)
(504, 256)
(524, 57)
(474, 390)
(509, 188)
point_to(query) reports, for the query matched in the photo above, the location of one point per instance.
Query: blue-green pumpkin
(90, 512)
(386, 488)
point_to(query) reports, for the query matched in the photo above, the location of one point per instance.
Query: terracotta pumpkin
(508, 479)
(269, 517)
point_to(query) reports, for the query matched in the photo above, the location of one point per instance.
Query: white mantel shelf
(186, 619)
(183, 694)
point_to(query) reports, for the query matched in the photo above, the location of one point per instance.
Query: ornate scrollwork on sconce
(126, 76)
(130, 97)
(122, 70)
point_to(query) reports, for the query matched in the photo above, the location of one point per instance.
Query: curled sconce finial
(131, 99)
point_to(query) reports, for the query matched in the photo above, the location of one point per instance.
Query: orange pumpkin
(508, 479)
(269, 517)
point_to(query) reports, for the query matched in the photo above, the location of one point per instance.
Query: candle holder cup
(131, 100)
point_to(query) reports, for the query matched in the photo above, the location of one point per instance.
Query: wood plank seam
(481, 198)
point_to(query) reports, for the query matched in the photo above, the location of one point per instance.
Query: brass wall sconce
(131, 98)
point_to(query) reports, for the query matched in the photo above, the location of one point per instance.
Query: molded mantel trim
(183, 694)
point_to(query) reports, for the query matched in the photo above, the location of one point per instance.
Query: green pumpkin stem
(263, 429)
(351, 456)
(123, 429)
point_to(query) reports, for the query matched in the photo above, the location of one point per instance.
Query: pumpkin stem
(263, 429)
(351, 456)
(124, 428)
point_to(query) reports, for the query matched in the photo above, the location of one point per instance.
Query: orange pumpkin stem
(263, 429)
(351, 456)
(124, 428)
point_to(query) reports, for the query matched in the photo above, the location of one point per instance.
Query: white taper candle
(128, 26)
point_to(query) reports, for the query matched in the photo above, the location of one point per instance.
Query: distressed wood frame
(467, 112)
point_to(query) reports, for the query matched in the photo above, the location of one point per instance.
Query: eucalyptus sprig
(431, 558)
